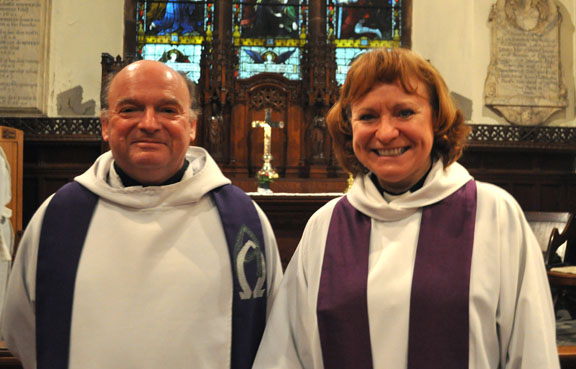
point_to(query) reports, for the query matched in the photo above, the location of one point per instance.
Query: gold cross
(267, 124)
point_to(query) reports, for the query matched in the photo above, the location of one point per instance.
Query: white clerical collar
(391, 197)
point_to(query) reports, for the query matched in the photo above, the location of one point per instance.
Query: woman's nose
(386, 130)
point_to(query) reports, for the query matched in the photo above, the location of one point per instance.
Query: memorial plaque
(524, 81)
(23, 39)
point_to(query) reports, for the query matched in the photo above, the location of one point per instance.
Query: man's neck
(128, 181)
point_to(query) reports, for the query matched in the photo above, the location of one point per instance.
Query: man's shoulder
(231, 191)
(73, 191)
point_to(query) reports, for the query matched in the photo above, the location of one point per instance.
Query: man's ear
(193, 124)
(104, 122)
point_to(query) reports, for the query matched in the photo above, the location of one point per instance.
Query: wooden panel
(295, 185)
(48, 165)
(11, 140)
(540, 179)
(553, 196)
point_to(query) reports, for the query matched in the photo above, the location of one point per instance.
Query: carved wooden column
(321, 92)
(406, 37)
(217, 83)
(110, 66)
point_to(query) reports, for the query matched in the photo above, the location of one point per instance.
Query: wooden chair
(562, 274)
(543, 223)
(557, 239)
(546, 226)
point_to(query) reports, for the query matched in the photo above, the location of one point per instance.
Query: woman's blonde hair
(388, 66)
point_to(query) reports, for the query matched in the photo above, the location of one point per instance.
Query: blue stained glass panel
(172, 31)
(185, 58)
(283, 60)
(372, 19)
(268, 35)
(186, 17)
(355, 26)
(344, 56)
(270, 19)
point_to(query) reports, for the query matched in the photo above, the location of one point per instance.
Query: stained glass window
(172, 31)
(268, 36)
(357, 25)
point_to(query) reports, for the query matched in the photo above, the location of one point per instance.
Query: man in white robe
(154, 287)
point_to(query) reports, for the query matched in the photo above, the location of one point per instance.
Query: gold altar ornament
(267, 174)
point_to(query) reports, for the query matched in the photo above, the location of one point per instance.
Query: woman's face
(393, 134)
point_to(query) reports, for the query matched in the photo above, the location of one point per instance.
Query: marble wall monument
(23, 44)
(524, 81)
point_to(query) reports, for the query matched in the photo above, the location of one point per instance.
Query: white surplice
(512, 322)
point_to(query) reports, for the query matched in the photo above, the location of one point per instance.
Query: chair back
(557, 239)
(543, 223)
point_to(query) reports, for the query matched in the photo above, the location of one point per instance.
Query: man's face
(149, 126)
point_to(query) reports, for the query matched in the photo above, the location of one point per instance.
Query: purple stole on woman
(439, 302)
(62, 237)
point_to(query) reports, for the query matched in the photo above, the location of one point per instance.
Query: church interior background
(282, 61)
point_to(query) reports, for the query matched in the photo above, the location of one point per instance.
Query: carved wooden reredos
(230, 105)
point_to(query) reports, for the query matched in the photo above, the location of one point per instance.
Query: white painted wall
(453, 34)
(80, 31)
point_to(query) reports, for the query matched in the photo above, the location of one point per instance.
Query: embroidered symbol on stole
(249, 264)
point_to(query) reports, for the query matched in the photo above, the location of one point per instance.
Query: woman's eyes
(405, 113)
(402, 114)
(366, 116)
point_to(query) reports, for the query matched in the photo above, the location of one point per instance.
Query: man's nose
(149, 121)
(386, 130)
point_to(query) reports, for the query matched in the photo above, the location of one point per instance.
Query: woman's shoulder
(322, 216)
(317, 226)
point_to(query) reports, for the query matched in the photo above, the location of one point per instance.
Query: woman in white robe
(397, 130)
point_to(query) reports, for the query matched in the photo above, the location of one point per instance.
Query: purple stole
(62, 237)
(439, 302)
